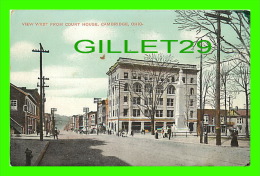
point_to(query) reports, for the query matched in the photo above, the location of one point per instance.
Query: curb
(37, 162)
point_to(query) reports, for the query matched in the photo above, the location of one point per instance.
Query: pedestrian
(132, 133)
(169, 132)
(156, 134)
(55, 133)
(162, 132)
(234, 134)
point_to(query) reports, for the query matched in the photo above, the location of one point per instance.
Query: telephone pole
(41, 50)
(219, 18)
(200, 122)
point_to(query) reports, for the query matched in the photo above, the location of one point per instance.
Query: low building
(24, 111)
(235, 118)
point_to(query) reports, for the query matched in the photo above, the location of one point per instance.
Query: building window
(126, 87)
(191, 91)
(125, 75)
(139, 77)
(14, 105)
(183, 79)
(172, 79)
(222, 120)
(125, 99)
(191, 80)
(146, 77)
(146, 113)
(191, 102)
(169, 113)
(206, 119)
(170, 101)
(171, 89)
(137, 87)
(191, 114)
(134, 76)
(136, 100)
(160, 101)
(159, 113)
(159, 89)
(148, 88)
(125, 112)
(239, 120)
(148, 101)
(136, 112)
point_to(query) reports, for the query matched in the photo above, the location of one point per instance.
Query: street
(109, 150)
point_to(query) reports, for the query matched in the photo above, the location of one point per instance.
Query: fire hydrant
(29, 157)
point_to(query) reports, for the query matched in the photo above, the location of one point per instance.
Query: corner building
(128, 110)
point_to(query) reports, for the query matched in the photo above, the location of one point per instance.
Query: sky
(75, 79)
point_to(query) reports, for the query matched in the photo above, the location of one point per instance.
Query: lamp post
(53, 121)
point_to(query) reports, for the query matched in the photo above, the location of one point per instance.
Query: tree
(205, 27)
(241, 76)
(149, 82)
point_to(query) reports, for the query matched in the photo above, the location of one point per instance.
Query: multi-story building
(48, 125)
(102, 115)
(139, 88)
(92, 121)
(24, 109)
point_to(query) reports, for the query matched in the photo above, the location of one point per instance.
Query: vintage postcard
(130, 87)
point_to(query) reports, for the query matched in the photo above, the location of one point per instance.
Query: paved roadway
(108, 150)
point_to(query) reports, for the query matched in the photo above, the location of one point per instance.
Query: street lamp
(53, 121)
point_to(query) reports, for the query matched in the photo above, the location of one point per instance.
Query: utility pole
(41, 50)
(200, 122)
(218, 17)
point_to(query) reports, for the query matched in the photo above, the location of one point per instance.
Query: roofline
(123, 58)
(25, 93)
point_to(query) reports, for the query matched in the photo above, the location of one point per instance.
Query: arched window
(126, 87)
(171, 89)
(191, 91)
(148, 88)
(159, 89)
(137, 87)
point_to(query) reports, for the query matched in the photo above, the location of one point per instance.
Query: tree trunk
(247, 131)
(152, 125)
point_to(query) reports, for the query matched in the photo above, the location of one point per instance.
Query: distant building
(128, 111)
(48, 125)
(102, 115)
(209, 120)
(235, 118)
(24, 111)
(92, 121)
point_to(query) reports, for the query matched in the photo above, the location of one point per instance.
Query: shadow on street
(78, 152)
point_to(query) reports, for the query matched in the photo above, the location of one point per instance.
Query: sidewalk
(225, 141)
(20, 143)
